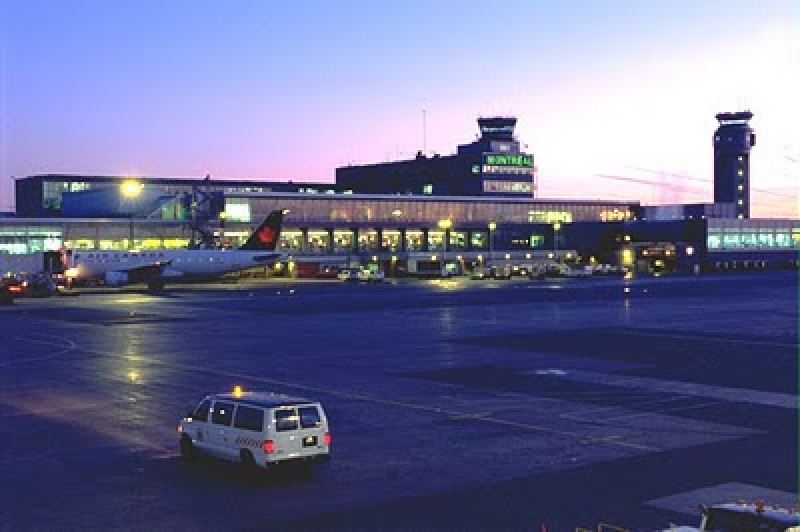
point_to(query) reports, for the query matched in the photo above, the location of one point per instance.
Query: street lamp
(130, 190)
(492, 227)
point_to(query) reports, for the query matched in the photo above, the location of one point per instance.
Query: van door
(299, 432)
(219, 430)
(287, 422)
(312, 430)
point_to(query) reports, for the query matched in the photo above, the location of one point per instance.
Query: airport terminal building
(409, 216)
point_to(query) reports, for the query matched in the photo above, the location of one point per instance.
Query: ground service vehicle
(737, 517)
(256, 429)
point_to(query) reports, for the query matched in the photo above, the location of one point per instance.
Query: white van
(256, 429)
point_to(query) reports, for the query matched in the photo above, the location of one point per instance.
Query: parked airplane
(157, 266)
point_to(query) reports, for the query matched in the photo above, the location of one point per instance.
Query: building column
(304, 239)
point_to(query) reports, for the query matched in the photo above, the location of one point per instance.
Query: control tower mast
(733, 140)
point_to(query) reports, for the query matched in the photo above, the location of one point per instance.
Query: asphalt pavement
(454, 404)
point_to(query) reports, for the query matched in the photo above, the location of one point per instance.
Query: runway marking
(713, 338)
(625, 417)
(71, 346)
(734, 395)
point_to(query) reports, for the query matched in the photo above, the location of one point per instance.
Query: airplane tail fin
(265, 238)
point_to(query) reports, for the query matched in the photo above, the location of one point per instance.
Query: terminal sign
(509, 160)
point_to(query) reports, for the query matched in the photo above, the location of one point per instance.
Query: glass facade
(361, 209)
(749, 234)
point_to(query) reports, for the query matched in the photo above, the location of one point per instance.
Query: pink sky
(598, 89)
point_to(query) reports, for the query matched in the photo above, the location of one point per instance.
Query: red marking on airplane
(266, 235)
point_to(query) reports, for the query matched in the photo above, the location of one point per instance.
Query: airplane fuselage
(168, 264)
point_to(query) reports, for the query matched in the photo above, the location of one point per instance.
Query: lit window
(427, 189)
(740, 187)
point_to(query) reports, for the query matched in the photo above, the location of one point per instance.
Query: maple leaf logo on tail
(267, 235)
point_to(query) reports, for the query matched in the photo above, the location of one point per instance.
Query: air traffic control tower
(732, 142)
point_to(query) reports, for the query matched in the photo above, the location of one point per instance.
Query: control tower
(732, 142)
(497, 128)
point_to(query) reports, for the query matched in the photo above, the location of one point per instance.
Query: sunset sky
(289, 90)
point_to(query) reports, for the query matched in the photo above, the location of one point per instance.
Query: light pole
(445, 224)
(130, 190)
(492, 227)
(556, 227)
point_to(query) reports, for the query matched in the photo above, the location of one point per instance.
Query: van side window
(201, 412)
(285, 420)
(222, 413)
(309, 417)
(249, 418)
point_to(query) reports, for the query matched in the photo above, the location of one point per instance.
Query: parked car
(368, 275)
(348, 274)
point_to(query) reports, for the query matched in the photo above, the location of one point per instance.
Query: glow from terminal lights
(131, 188)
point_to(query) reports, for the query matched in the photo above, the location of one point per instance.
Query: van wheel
(187, 449)
(248, 461)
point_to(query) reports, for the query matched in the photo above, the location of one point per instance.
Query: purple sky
(290, 90)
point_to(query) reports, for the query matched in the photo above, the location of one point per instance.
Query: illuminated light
(180, 428)
(527, 255)
(374, 258)
(492, 226)
(556, 226)
(627, 238)
(690, 250)
(237, 391)
(71, 273)
(133, 375)
(508, 256)
(397, 213)
(550, 255)
(480, 257)
(627, 257)
(592, 260)
(433, 257)
(268, 446)
(326, 439)
(130, 188)
(445, 224)
(459, 257)
(394, 258)
(569, 255)
(644, 252)
(627, 289)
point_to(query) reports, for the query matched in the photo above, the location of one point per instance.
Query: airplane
(157, 266)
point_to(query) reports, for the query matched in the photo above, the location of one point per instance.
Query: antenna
(424, 133)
